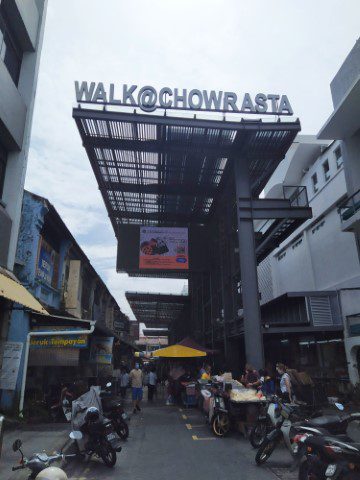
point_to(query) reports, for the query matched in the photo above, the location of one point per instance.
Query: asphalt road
(171, 443)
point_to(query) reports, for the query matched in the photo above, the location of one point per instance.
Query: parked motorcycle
(225, 413)
(329, 458)
(270, 417)
(219, 415)
(115, 412)
(39, 464)
(287, 428)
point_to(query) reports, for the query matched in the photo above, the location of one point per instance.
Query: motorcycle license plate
(330, 471)
(111, 437)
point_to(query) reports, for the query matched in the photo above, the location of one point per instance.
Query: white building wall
(29, 20)
(318, 255)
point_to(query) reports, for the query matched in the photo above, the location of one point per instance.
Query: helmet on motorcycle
(92, 414)
(52, 473)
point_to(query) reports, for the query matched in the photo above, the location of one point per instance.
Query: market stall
(181, 384)
(229, 405)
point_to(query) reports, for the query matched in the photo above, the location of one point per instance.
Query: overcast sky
(273, 46)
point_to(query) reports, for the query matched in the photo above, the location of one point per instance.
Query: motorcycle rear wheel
(258, 433)
(265, 451)
(220, 424)
(107, 454)
(122, 429)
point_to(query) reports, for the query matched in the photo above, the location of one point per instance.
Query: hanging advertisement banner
(101, 350)
(47, 265)
(10, 364)
(164, 248)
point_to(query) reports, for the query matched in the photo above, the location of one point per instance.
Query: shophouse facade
(53, 267)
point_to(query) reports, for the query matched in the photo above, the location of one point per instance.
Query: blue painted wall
(33, 214)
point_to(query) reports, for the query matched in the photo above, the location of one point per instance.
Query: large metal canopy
(160, 170)
(156, 310)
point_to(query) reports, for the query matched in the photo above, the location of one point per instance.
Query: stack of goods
(245, 395)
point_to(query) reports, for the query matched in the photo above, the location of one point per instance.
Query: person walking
(136, 379)
(152, 384)
(285, 383)
(124, 382)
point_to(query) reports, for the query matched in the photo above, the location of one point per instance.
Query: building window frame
(315, 183)
(3, 163)
(281, 256)
(326, 169)
(338, 157)
(318, 225)
(10, 51)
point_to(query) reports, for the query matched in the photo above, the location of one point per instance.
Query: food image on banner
(164, 248)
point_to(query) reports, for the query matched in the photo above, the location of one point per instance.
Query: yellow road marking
(195, 437)
(198, 426)
(184, 417)
(188, 426)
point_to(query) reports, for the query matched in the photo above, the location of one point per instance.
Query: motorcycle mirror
(339, 406)
(17, 445)
(108, 385)
(76, 435)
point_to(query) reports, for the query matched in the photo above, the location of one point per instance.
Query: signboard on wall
(164, 248)
(101, 350)
(10, 364)
(58, 341)
(47, 265)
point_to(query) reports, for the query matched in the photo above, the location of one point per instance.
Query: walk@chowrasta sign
(149, 99)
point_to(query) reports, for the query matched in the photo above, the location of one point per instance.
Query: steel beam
(254, 348)
(162, 216)
(161, 189)
(156, 146)
(271, 208)
(112, 116)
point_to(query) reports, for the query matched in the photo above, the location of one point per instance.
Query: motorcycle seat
(326, 421)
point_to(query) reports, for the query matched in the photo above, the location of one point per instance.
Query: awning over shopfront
(178, 351)
(15, 292)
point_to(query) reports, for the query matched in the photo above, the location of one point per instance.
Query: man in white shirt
(152, 384)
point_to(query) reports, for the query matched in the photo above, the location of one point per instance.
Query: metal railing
(297, 195)
(349, 207)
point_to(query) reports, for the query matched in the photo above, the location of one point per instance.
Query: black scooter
(100, 439)
(115, 412)
(329, 458)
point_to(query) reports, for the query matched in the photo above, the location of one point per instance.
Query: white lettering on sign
(149, 99)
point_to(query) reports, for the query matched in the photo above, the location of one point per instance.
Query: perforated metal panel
(265, 281)
(321, 312)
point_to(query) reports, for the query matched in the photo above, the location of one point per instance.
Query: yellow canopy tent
(178, 351)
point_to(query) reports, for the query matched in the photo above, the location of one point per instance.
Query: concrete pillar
(254, 348)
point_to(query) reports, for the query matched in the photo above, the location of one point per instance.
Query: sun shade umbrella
(178, 351)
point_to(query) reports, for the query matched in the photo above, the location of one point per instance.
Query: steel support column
(254, 348)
